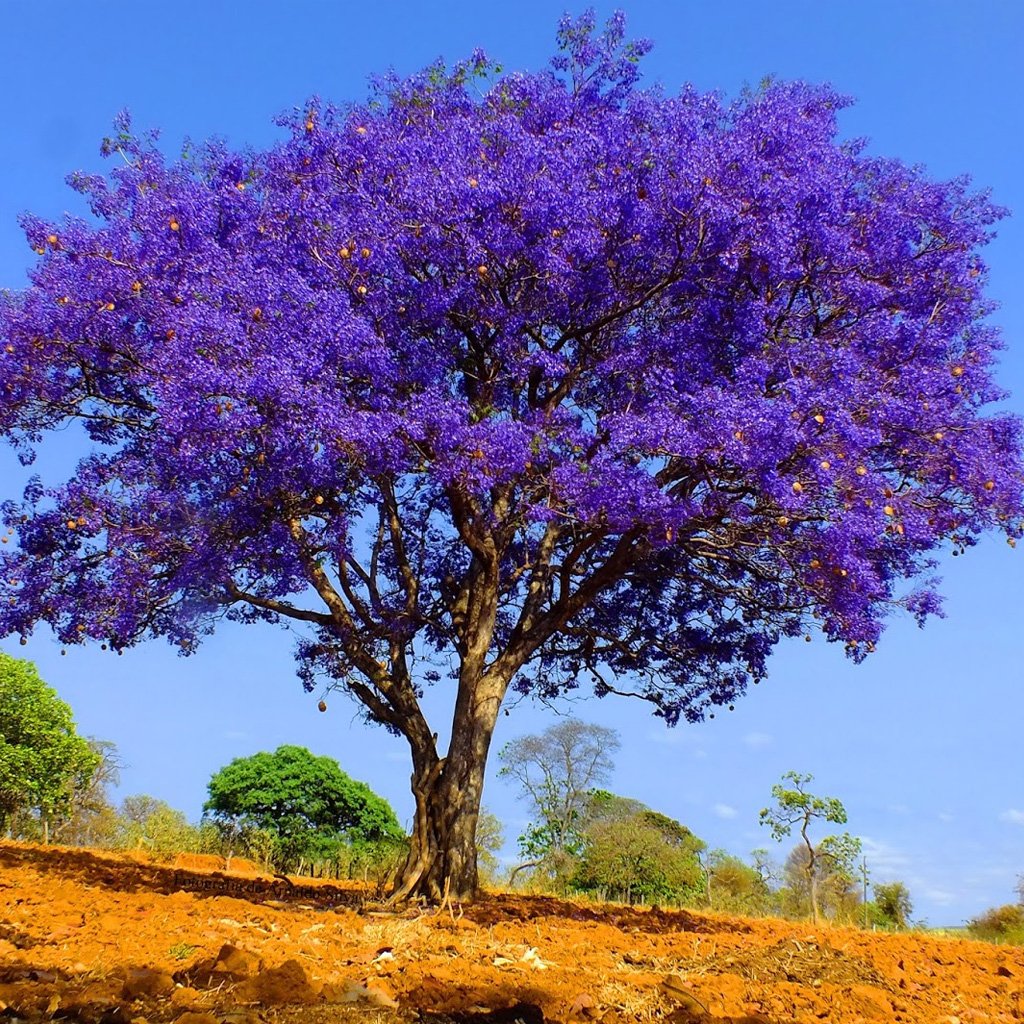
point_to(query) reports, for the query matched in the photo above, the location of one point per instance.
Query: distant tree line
(292, 811)
(1003, 924)
(289, 810)
(583, 839)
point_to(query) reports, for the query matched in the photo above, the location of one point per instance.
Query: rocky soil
(103, 939)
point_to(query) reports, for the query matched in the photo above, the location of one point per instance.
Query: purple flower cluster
(536, 376)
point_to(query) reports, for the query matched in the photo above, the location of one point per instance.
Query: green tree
(43, 760)
(557, 771)
(734, 885)
(636, 854)
(893, 902)
(92, 820)
(490, 836)
(306, 802)
(151, 824)
(795, 807)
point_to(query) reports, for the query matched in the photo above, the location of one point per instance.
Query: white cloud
(984, 874)
(945, 816)
(688, 739)
(884, 860)
(939, 896)
(1014, 817)
(667, 737)
(724, 811)
(758, 740)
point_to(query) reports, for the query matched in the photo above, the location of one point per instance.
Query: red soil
(101, 938)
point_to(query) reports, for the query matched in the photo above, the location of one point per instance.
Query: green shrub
(999, 924)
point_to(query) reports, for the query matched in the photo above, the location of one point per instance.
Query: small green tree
(307, 802)
(794, 806)
(635, 854)
(557, 771)
(893, 902)
(153, 825)
(734, 885)
(490, 836)
(43, 760)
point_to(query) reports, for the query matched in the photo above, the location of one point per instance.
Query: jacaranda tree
(508, 380)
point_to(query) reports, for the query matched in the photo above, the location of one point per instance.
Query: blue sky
(922, 742)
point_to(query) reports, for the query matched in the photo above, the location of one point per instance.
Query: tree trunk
(812, 874)
(442, 861)
(442, 854)
(815, 912)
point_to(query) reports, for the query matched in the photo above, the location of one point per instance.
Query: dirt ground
(102, 938)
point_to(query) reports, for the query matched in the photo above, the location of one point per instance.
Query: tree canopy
(894, 904)
(557, 771)
(43, 760)
(510, 379)
(636, 854)
(306, 802)
(833, 857)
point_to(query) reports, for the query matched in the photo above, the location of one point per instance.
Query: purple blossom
(559, 381)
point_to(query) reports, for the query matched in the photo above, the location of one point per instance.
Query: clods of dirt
(96, 938)
(803, 961)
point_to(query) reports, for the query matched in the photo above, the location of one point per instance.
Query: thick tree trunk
(442, 855)
(442, 861)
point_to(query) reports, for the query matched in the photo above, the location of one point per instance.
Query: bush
(736, 887)
(999, 924)
(641, 857)
(892, 900)
(314, 811)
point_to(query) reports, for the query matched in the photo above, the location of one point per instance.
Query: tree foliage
(822, 887)
(634, 854)
(999, 924)
(894, 903)
(733, 885)
(833, 858)
(148, 823)
(518, 380)
(43, 760)
(490, 837)
(557, 771)
(90, 818)
(306, 802)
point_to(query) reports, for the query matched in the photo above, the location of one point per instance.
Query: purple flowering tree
(533, 382)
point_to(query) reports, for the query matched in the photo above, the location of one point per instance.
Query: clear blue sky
(922, 742)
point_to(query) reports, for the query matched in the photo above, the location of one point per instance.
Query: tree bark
(442, 861)
(812, 873)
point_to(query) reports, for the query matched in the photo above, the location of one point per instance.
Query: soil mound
(97, 938)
